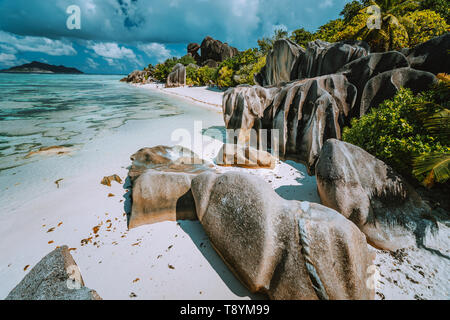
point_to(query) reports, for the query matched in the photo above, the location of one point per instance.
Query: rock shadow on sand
(195, 231)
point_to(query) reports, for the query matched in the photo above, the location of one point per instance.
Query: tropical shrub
(199, 76)
(239, 69)
(402, 23)
(301, 37)
(330, 31)
(186, 60)
(192, 76)
(225, 77)
(401, 132)
(439, 6)
(351, 9)
(350, 29)
(424, 25)
(162, 70)
(246, 73)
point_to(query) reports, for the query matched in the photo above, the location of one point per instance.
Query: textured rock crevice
(211, 52)
(335, 83)
(305, 113)
(55, 277)
(160, 180)
(369, 193)
(177, 78)
(288, 61)
(257, 234)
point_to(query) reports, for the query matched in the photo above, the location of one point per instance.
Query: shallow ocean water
(45, 110)
(101, 120)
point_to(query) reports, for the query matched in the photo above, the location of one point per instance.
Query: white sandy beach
(169, 260)
(205, 96)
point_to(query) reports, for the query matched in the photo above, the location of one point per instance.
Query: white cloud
(7, 59)
(111, 52)
(326, 4)
(91, 63)
(155, 50)
(36, 44)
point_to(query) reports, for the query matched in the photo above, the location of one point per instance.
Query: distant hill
(39, 67)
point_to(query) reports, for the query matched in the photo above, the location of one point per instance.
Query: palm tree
(435, 166)
(393, 33)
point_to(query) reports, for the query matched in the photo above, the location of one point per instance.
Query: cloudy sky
(118, 36)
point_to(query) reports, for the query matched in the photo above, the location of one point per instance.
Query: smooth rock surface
(139, 76)
(55, 277)
(235, 155)
(385, 85)
(360, 71)
(216, 50)
(369, 193)
(304, 113)
(432, 56)
(285, 249)
(322, 58)
(280, 63)
(177, 78)
(192, 49)
(210, 63)
(161, 182)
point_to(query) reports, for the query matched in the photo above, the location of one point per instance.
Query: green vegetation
(266, 44)
(240, 69)
(301, 37)
(162, 70)
(418, 26)
(196, 76)
(404, 23)
(409, 132)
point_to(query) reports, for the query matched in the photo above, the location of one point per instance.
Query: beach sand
(168, 260)
(205, 96)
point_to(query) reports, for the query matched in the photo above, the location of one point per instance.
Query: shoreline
(202, 96)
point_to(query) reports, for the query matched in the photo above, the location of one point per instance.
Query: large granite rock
(361, 70)
(285, 249)
(177, 78)
(192, 49)
(369, 193)
(244, 106)
(288, 61)
(139, 76)
(55, 277)
(432, 56)
(322, 58)
(385, 85)
(161, 182)
(216, 50)
(280, 63)
(305, 112)
(244, 156)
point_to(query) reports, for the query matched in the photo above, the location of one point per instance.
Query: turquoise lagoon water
(46, 110)
(101, 119)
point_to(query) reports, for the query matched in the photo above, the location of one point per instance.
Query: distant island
(39, 67)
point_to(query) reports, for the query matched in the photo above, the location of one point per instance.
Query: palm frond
(438, 124)
(436, 166)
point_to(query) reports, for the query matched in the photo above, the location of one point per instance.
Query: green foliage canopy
(397, 131)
